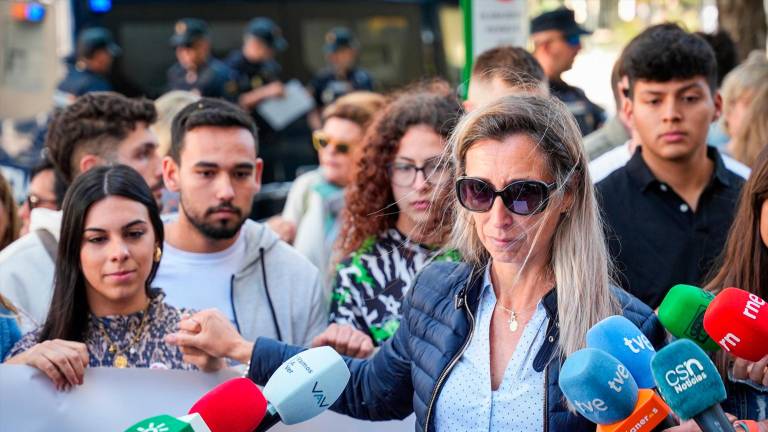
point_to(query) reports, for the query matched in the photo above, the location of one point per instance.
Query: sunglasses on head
(320, 141)
(523, 197)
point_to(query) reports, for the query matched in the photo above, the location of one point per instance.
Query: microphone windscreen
(598, 386)
(682, 314)
(617, 336)
(236, 405)
(738, 321)
(687, 378)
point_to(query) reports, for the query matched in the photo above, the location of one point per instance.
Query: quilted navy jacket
(407, 373)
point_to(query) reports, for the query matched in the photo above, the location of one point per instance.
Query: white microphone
(304, 386)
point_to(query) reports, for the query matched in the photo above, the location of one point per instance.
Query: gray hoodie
(272, 270)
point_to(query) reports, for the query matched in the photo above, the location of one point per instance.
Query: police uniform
(252, 75)
(80, 80)
(214, 79)
(589, 116)
(329, 84)
(211, 79)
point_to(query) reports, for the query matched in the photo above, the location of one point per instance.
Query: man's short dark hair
(666, 52)
(725, 52)
(94, 124)
(513, 65)
(208, 112)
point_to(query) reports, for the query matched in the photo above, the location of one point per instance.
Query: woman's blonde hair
(753, 137)
(579, 257)
(743, 80)
(167, 106)
(11, 214)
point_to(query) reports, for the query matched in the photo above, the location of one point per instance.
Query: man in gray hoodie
(214, 257)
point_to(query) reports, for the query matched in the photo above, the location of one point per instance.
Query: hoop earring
(158, 254)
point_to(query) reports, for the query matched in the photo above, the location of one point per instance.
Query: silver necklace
(512, 321)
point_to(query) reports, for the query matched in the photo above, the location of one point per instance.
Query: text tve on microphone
(598, 386)
(682, 314)
(617, 336)
(738, 321)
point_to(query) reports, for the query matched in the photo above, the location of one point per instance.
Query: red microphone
(738, 322)
(233, 406)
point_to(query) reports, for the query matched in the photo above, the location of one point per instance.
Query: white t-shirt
(200, 280)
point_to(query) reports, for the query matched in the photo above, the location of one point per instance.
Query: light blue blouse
(466, 401)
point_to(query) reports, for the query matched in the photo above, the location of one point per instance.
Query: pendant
(512, 322)
(120, 361)
(112, 349)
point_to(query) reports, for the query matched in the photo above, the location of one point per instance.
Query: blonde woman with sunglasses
(309, 218)
(481, 342)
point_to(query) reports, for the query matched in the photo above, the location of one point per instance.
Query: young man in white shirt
(214, 256)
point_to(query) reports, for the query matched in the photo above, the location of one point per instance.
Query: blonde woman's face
(506, 236)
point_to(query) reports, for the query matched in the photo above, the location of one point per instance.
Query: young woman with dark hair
(392, 225)
(744, 264)
(103, 311)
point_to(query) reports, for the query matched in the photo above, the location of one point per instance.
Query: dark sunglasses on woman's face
(523, 197)
(320, 140)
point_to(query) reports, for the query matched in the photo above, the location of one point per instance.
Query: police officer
(341, 76)
(557, 40)
(196, 70)
(87, 71)
(257, 71)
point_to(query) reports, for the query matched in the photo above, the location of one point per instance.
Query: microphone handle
(668, 422)
(268, 421)
(713, 419)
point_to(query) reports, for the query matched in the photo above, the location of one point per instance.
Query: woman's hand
(754, 371)
(284, 228)
(63, 361)
(346, 340)
(207, 337)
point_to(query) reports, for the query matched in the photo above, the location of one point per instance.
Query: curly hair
(370, 204)
(94, 124)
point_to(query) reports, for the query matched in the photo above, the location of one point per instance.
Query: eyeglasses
(320, 140)
(34, 201)
(404, 174)
(524, 197)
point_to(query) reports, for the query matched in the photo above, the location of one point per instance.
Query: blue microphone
(617, 336)
(691, 385)
(598, 386)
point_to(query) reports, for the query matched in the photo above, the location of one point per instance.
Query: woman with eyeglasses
(392, 226)
(103, 312)
(309, 218)
(481, 342)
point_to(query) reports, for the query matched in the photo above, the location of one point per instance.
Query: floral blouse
(149, 349)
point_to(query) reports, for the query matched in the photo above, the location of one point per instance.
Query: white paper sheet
(114, 399)
(280, 112)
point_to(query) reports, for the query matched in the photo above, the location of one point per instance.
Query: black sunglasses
(523, 197)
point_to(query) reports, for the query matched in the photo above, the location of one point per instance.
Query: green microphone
(682, 314)
(166, 423)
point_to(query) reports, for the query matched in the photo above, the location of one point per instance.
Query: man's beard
(216, 231)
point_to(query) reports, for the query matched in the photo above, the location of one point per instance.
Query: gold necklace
(512, 322)
(120, 360)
